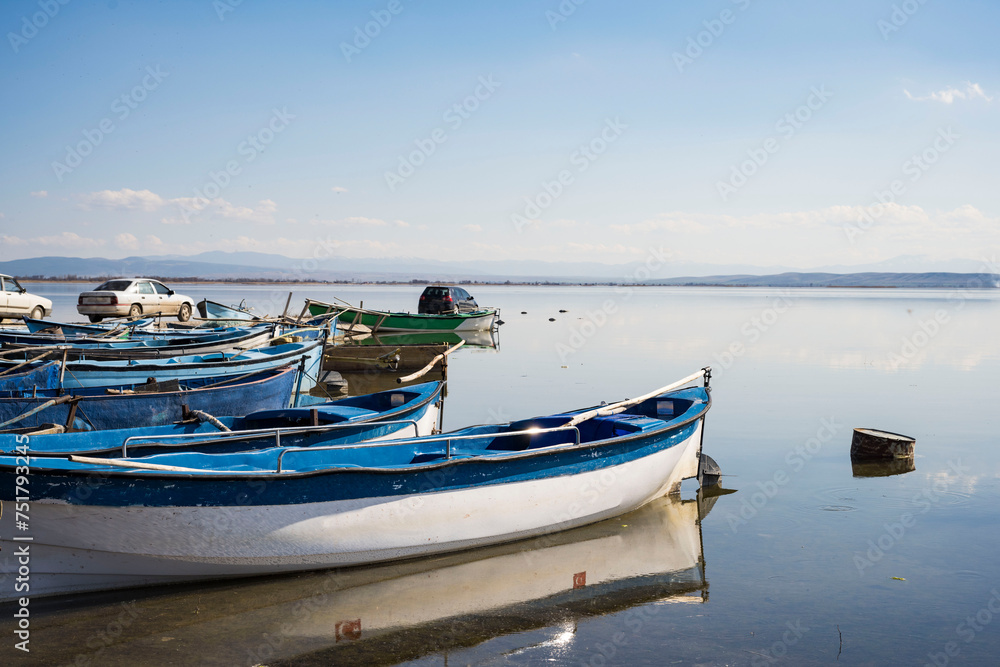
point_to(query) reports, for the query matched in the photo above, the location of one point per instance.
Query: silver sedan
(133, 298)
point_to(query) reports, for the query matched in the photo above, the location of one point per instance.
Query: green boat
(350, 318)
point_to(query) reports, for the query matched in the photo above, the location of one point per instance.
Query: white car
(133, 298)
(15, 301)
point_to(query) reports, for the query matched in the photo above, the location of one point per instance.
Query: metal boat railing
(446, 438)
(254, 434)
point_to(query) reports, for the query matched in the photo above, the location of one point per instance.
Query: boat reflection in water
(487, 339)
(396, 611)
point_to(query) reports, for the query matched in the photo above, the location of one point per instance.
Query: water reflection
(883, 468)
(414, 608)
(480, 339)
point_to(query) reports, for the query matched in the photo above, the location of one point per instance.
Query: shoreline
(505, 283)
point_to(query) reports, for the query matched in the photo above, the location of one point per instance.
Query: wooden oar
(43, 406)
(25, 363)
(621, 406)
(429, 366)
(33, 348)
(129, 464)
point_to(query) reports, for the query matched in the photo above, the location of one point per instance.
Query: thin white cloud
(125, 199)
(127, 241)
(182, 210)
(67, 240)
(189, 209)
(401, 223)
(972, 91)
(472, 228)
(10, 241)
(339, 189)
(40, 194)
(357, 221)
(832, 216)
(832, 235)
(564, 223)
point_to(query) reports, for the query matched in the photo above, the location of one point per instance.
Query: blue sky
(766, 133)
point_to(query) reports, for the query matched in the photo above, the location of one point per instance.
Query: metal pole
(298, 384)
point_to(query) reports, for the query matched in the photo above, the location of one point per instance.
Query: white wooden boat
(186, 516)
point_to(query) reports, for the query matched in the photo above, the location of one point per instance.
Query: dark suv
(438, 299)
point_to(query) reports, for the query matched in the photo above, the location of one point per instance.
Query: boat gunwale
(223, 436)
(136, 365)
(221, 476)
(337, 311)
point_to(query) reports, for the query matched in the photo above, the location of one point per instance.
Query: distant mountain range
(898, 272)
(912, 280)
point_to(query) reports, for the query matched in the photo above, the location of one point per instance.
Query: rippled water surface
(811, 561)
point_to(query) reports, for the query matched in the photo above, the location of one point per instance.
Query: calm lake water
(807, 563)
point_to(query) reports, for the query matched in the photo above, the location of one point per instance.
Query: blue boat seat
(327, 414)
(613, 426)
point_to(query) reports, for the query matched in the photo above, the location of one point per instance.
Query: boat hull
(246, 339)
(369, 320)
(268, 390)
(109, 373)
(42, 376)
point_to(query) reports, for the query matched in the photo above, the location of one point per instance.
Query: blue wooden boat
(301, 508)
(408, 411)
(109, 373)
(131, 406)
(33, 376)
(143, 348)
(38, 326)
(142, 328)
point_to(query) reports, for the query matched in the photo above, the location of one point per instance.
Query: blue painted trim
(87, 485)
